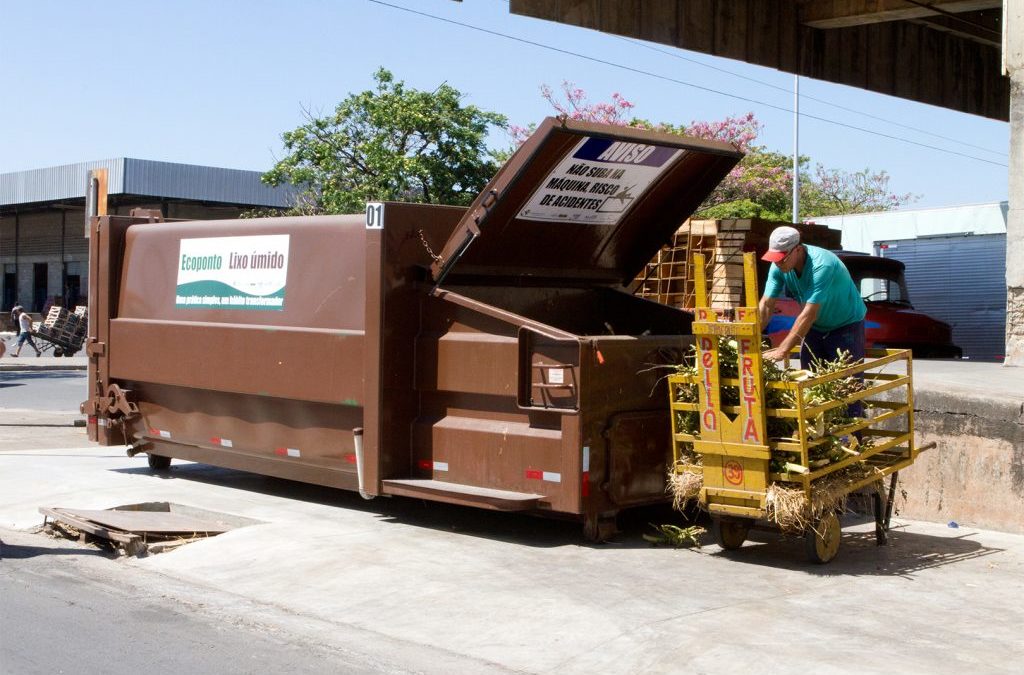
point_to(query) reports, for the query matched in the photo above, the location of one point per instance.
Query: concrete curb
(5, 368)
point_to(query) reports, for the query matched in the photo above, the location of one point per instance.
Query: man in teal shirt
(832, 316)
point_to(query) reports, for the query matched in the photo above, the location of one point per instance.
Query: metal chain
(436, 258)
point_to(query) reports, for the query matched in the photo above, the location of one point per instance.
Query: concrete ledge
(975, 475)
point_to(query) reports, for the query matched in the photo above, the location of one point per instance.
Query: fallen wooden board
(142, 522)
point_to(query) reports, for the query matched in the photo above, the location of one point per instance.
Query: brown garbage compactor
(490, 356)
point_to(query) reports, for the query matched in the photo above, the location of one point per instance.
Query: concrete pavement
(453, 587)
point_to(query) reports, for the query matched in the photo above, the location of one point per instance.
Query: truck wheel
(822, 540)
(58, 352)
(159, 462)
(731, 533)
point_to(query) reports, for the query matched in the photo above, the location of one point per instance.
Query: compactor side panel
(471, 430)
(258, 364)
(400, 240)
(624, 420)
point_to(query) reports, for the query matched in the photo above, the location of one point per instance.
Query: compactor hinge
(487, 203)
(117, 401)
(95, 348)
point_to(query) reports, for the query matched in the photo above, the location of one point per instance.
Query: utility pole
(796, 148)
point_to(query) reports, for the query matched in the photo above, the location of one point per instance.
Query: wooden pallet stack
(63, 326)
(669, 278)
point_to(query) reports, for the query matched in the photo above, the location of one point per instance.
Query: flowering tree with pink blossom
(761, 184)
(835, 192)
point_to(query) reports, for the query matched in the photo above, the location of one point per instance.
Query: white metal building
(43, 249)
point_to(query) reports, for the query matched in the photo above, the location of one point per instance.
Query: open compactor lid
(592, 202)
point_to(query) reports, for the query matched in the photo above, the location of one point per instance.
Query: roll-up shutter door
(959, 279)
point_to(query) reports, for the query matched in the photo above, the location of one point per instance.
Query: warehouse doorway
(959, 279)
(10, 286)
(39, 286)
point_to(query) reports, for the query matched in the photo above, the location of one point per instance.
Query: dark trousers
(823, 345)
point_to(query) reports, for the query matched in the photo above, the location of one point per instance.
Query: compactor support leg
(599, 528)
(883, 516)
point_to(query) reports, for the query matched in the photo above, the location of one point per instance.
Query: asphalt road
(67, 609)
(49, 390)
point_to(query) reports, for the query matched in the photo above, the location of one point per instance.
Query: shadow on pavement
(21, 552)
(521, 528)
(859, 555)
(31, 375)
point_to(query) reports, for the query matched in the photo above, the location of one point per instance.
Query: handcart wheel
(823, 539)
(159, 462)
(731, 533)
(57, 351)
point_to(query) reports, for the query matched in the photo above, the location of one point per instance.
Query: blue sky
(216, 83)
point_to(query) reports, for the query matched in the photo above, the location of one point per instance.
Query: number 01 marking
(374, 216)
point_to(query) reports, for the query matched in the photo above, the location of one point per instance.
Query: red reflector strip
(223, 442)
(432, 466)
(160, 432)
(92, 419)
(600, 357)
(585, 486)
(350, 458)
(550, 476)
(287, 452)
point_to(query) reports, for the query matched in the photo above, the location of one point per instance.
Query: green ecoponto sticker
(232, 272)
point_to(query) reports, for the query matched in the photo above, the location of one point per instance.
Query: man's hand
(776, 354)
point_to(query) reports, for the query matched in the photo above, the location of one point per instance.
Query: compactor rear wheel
(731, 533)
(822, 541)
(159, 462)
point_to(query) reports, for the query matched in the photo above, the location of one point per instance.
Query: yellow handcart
(754, 449)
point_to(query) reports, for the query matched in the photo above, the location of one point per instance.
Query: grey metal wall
(960, 279)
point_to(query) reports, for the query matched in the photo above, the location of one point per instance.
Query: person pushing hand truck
(832, 311)
(25, 326)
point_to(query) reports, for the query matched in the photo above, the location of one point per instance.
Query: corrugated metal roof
(143, 177)
(57, 182)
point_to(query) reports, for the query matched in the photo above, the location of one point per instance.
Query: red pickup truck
(891, 320)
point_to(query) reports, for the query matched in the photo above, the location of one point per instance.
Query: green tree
(390, 143)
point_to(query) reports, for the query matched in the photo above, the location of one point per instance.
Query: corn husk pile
(788, 505)
(683, 486)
